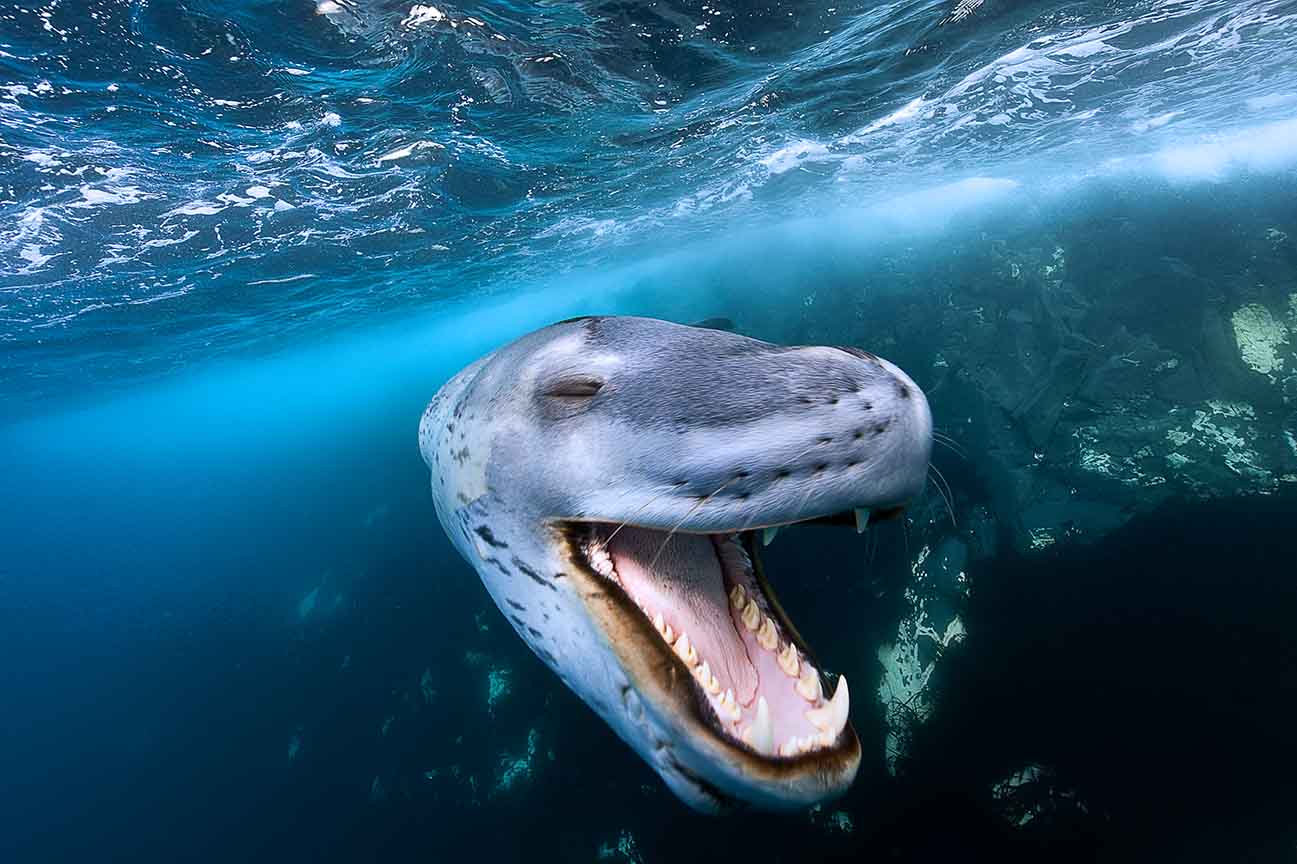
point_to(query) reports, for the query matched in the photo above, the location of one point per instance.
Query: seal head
(612, 479)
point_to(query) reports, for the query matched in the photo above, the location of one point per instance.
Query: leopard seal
(611, 480)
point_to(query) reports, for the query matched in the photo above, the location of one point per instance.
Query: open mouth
(707, 599)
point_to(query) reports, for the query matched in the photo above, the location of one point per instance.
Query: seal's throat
(706, 597)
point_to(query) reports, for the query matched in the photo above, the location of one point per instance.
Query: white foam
(93, 197)
(195, 208)
(1154, 122)
(423, 15)
(904, 114)
(408, 150)
(1262, 149)
(789, 157)
(31, 253)
(42, 158)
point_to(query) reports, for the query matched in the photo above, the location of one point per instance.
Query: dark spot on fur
(902, 390)
(546, 656)
(522, 565)
(484, 532)
(821, 467)
(860, 433)
(880, 428)
(515, 604)
(534, 632)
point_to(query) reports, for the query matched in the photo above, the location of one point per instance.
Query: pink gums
(685, 581)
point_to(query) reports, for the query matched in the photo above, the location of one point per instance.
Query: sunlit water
(242, 245)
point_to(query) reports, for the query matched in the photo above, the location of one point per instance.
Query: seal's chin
(696, 624)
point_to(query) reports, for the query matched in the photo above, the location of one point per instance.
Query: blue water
(243, 243)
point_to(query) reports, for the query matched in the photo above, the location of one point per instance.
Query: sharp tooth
(767, 636)
(808, 685)
(768, 535)
(728, 705)
(752, 617)
(832, 717)
(862, 519)
(788, 661)
(685, 651)
(703, 673)
(760, 736)
(738, 597)
(789, 748)
(668, 634)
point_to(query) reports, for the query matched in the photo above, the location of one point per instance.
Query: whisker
(685, 517)
(947, 494)
(694, 509)
(950, 444)
(604, 543)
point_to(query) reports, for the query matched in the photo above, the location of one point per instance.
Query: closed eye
(574, 388)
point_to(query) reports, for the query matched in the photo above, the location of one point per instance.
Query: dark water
(230, 626)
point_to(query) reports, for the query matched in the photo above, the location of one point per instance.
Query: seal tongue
(683, 581)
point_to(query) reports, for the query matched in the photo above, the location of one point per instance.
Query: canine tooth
(738, 597)
(685, 650)
(788, 661)
(768, 535)
(808, 685)
(752, 617)
(660, 623)
(760, 736)
(767, 636)
(789, 748)
(668, 634)
(833, 716)
(862, 519)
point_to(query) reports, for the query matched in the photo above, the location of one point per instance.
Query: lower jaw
(794, 777)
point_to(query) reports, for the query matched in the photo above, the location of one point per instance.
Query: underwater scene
(499, 430)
